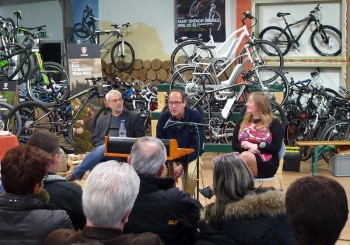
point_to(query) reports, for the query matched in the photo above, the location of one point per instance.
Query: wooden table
(6, 143)
(320, 148)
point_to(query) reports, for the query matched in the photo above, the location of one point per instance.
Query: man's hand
(178, 171)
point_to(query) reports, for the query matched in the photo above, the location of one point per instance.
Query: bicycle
(4, 118)
(325, 39)
(206, 11)
(58, 118)
(87, 25)
(190, 51)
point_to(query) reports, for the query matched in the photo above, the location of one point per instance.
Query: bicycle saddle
(279, 14)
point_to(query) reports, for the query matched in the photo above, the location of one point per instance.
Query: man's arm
(96, 138)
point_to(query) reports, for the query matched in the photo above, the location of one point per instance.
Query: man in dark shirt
(109, 125)
(186, 135)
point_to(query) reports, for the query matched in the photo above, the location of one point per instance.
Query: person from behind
(317, 209)
(160, 208)
(63, 194)
(242, 214)
(109, 125)
(25, 219)
(109, 195)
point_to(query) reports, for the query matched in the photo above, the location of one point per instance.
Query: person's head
(317, 209)
(23, 169)
(177, 103)
(48, 142)
(115, 101)
(109, 194)
(258, 106)
(148, 156)
(232, 180)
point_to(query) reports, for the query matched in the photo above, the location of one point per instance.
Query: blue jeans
(90, 161)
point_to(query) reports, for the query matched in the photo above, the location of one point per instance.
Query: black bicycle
(325, 39)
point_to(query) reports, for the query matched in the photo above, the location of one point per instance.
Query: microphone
(169, 122)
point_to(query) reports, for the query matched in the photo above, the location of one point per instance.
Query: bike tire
(298, 130)
(81, 31)
(339, 130)
(33, 116)
(276, 84)
(275, 108)
(123, 63)
(216, 20)
(318, 44)
(193, 12)
(278, 37)
(186, 51)
(58, 88)
(17, 60)
(13, 124)
(192, 80)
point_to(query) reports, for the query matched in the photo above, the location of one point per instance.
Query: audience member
(317, 209)
(186, 135)
(109, 195)
(109, 125)
(242, 214)
(160, 208)
(64, 194)
(25, 219)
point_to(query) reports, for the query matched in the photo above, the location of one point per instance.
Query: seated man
(24, 218)
(160, 208)
(186, 135)
(317, 208)
(64, 194)
(109, 125)
(109, 195)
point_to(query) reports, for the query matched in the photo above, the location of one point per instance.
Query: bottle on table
(122, 129)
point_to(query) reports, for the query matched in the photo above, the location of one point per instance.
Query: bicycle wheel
(185, 52)
(228, 131)
(326, 41)
(277, 36)
(194, 9)
(123, 56)
(275, 108)
(215, 20)
(299, 130)
(15, 61)
(81, 30)
(263, 53)
(275, 84)
(193, 80)
(13, 124)
(33, 116)
(49, 85)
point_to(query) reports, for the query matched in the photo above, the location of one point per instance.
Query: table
(6, 143)
(320, 148)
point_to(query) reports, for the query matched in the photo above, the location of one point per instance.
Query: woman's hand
(250, 147)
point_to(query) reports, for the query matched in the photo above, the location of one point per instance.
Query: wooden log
(156, 64)
(147, 64)
(161, 74)
(135, 74)
(143, 73)
(151, 75)
(138, 64)
(166, 64)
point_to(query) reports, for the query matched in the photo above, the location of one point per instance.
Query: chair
(281, 154)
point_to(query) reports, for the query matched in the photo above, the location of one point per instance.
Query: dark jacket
(66, 195)
(133, 124)
(186, 135)
(169, 212)
(27, 220)
(256, 219)
(103, 235)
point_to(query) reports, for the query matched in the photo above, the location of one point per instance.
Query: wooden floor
(287, 177)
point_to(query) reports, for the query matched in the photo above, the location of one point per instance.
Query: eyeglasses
(116, 100)
(174, 103)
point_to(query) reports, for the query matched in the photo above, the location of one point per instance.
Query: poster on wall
(83, 62)
(191, 14)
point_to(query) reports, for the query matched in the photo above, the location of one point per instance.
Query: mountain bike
(58, 119)
(190, 51)
(325, 39)
(206, 10)
(5, 123)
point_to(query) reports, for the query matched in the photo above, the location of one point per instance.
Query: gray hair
(148, 154)
(110, 191)
(113, 91)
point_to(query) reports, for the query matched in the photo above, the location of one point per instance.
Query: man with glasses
(185, 134)
(109, 125)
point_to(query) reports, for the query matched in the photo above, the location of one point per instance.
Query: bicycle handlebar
(247, 15)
